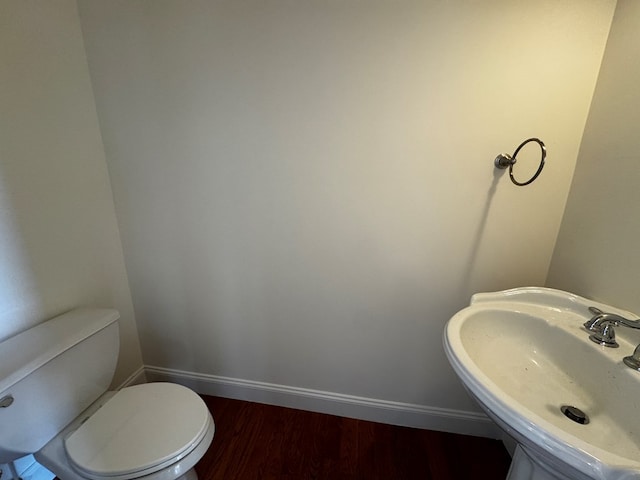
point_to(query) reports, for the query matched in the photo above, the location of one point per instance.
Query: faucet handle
(633, 361)
(590, 324)
(599, 319)
(604, 334)
(595, 310)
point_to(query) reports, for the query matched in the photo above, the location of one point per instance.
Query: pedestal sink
(524, 354)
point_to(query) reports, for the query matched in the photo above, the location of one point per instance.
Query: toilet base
(190, 475)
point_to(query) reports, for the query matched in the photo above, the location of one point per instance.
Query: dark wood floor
(255, 441)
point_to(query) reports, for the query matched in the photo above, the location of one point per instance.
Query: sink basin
(523, 354)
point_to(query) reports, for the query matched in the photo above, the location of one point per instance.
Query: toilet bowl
(155, 431)
(55, 405)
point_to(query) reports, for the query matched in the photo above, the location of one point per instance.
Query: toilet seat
(140, 430)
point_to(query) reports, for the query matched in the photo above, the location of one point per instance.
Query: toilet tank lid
(24, 353)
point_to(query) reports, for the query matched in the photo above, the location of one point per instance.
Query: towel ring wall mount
(504, 160)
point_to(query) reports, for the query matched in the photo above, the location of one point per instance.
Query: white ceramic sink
(524, 353)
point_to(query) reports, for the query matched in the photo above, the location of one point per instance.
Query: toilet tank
(50, 373)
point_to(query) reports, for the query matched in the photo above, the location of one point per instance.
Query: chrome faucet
(601, 326)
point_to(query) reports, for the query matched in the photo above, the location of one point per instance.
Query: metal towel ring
(505, 160)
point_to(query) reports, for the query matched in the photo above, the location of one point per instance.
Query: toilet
(55, 404)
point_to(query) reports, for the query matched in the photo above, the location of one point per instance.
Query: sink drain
(575, 414)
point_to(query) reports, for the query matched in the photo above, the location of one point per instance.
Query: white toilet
(54, 404)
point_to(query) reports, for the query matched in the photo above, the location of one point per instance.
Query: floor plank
(256, 441)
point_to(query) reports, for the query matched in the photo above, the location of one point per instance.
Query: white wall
(59, 241)
(597, 254)
(306, 190)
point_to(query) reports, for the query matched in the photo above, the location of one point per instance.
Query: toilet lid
(139, 428)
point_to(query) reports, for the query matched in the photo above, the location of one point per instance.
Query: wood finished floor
(256, 441)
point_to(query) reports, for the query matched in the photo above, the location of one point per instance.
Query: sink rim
(517, 419)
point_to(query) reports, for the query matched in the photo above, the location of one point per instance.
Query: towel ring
(505, 160)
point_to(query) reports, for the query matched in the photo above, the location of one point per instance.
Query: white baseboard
(136, 378)
(383, 411)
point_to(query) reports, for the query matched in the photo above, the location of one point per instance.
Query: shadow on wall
(465, 286)
(20, 304)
